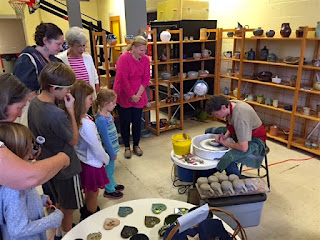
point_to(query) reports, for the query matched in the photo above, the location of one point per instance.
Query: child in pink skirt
(89, 149)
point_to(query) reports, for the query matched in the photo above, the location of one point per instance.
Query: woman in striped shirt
(80, 61)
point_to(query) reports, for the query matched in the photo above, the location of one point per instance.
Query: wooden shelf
(298, 142)
(268, 84)
(271, 63)
(310, 96)
(197, 60)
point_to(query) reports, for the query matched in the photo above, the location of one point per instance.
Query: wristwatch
(2, 145)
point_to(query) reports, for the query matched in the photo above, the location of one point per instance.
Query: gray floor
(292, 207)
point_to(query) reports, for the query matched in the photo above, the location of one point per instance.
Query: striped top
(77, 65)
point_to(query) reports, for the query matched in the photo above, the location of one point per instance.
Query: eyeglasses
(80, 46)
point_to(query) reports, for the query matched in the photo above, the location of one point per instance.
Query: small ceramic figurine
(227, 187)
(212, 179)
(206, 190)
(239, 186)
(202, 180)
(216, 187)
(165, 36)
(233, 177)
(222, 177)
(250, 185)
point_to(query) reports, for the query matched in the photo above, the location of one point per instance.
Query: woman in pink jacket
(132, 78)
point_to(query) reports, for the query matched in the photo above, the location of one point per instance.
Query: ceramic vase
(165, 36)
(285, 30)
(317, 32)
(316, 85)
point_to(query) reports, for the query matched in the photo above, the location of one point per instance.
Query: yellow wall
(268, 14)
(32, 20)
(109, 8)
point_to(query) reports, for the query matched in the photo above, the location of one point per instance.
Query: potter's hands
(69, 102)
(135, 98)
(219, 137)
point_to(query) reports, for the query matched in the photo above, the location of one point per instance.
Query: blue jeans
(110, 188)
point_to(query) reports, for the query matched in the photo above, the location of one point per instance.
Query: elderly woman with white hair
(80, 61)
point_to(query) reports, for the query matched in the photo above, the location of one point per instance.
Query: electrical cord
(182, 188)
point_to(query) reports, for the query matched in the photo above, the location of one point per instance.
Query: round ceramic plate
(206, 144)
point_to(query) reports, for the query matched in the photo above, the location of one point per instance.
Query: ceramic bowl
(314, 145)
(186, 97)
(153, 123)
(203, 73)
(308, 144)
(165, 75)
(184, 75)
(191, 94)
(276, 80)
(265, 76)
(196, 55)
(230, 34)
(192, 74)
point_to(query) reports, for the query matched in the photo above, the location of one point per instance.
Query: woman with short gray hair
(80, 61)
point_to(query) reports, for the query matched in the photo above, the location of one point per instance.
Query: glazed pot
(258, 31)
(165, 75)
(285, 30)
(299, 32)
(270, 33)
(264, 53)
(272, 57)
(239, 30)
(316, 85)
(165, 36)
(251, 55)
(230, 34)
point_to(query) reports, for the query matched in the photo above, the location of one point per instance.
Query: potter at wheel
(212, 145)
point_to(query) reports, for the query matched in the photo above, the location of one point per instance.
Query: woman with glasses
(80, 61)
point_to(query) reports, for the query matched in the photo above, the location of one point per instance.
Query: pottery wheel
(207, 145)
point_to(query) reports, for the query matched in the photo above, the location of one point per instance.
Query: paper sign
(193, 218)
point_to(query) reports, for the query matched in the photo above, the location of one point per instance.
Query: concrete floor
(291, 210)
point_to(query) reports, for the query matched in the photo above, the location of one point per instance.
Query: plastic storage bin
(246, 208)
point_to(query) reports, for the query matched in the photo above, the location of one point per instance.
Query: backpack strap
(32, 60)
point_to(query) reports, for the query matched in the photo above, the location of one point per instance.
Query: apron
(259, 132)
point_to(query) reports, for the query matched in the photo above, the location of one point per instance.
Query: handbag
(207, 230)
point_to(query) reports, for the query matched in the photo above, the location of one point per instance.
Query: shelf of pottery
(103, 53)
(169, 86)
(278, 74)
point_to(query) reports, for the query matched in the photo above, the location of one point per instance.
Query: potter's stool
(265, 166)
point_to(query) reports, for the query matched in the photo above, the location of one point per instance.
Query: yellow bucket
(181, 144)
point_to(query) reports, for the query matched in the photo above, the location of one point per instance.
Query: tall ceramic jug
(285, 30)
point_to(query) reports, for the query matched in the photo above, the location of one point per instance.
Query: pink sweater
(130, 75)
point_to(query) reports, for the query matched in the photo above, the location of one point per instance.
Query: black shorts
(67, 192)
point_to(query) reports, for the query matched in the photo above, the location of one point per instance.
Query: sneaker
(119, 188)
(137, 151)
(114, 195)
(127, 153)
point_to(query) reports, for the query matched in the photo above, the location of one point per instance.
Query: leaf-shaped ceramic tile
(110, 223)
(128, 231)
(139, 236)
(94, 236)
(158, 208)
(125, 211)
(151, 221)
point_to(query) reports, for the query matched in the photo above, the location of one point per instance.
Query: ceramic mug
(186, 38)
(205, 53)
(237, 54)
(250, 97)
(260, 98)
(275, 103)
(197, 56)
(204, 34)
(306, 111)
(229, 71)
(191, 38)
(268, 101)
(227, 54)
